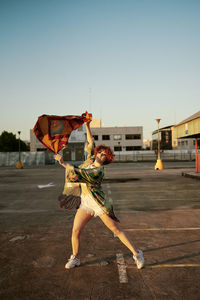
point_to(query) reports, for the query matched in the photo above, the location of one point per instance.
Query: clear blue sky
(126, 61)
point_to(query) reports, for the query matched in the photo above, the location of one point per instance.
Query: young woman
(93, 202)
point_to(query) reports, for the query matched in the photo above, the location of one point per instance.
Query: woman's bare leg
(80, 220)
(114, 227)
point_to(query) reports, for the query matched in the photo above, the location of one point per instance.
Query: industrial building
(171, 139)
(119, 139)
(165, 136)
(190, 129)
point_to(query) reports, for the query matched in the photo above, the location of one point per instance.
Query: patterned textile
(93, 179)
(54, 131)
(69, 201)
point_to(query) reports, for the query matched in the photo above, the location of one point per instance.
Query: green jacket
(92, 178)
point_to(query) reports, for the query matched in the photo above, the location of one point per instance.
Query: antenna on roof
(90, 99)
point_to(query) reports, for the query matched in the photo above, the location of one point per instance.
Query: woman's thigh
(110, 223)
(81, 219)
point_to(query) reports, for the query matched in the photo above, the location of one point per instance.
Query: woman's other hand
(87, 122)
(58, 157)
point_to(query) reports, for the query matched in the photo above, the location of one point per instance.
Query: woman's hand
(87, 122)
(58, 157)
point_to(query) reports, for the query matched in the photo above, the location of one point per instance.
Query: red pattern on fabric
(54, 131)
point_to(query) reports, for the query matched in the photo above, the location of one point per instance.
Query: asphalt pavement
(159, 210)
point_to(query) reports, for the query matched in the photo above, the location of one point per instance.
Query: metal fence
(27, 158)
(167, 155)
(46, 157)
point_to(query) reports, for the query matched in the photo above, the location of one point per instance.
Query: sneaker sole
(67, 268)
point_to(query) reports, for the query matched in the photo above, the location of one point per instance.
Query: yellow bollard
(19, 165)
(159, 165)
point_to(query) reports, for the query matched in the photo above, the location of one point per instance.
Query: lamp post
(19, 146)
(159, 165)
(119, 150)
(19, 163)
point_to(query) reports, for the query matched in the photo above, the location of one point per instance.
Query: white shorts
(90, 206)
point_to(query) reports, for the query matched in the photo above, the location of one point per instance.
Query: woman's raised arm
(89, 133)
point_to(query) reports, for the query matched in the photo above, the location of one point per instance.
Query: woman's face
(101, 156)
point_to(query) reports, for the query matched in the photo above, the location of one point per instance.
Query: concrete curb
(191, 175)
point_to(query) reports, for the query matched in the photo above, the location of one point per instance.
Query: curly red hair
(108, 151)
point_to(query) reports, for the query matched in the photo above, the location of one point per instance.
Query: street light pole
(119, 150)
(19, 163)
(159, 165)
(19, 146)
(158, 121)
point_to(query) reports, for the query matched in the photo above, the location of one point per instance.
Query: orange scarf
(54, 131)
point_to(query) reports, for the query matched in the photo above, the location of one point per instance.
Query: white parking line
(121, 268)
(183, 210)
(167, 266)
(174, 266)
(163, 228)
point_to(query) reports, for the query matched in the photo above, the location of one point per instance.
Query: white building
(119, 139)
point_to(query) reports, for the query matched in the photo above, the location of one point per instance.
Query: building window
(105, 137)
(130, 148)
(137, 136)
(129, 136)
(117, 137)
(95, 137)
(133, 136)
(167, 137)
(117, 148)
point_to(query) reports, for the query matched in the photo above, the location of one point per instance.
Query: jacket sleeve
(89, 149)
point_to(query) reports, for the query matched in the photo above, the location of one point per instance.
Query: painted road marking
(121, 268)
(160, 229)
(184, 210)
(155, 266)
(167, 266)
(174, 266)
(24, 211)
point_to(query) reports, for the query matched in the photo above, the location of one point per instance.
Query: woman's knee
(115, 230)
(76, 231)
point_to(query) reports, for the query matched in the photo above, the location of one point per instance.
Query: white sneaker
(139, 259)
(72, 262)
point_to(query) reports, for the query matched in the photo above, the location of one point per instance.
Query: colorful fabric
(54, 131)
(92, 178)
(69, 201)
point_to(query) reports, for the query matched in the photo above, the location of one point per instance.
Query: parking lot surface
(159, 210)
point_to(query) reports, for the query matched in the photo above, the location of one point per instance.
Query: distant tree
(9, 143)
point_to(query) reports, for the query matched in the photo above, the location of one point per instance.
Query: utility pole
(159, 165)
(19, 163)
